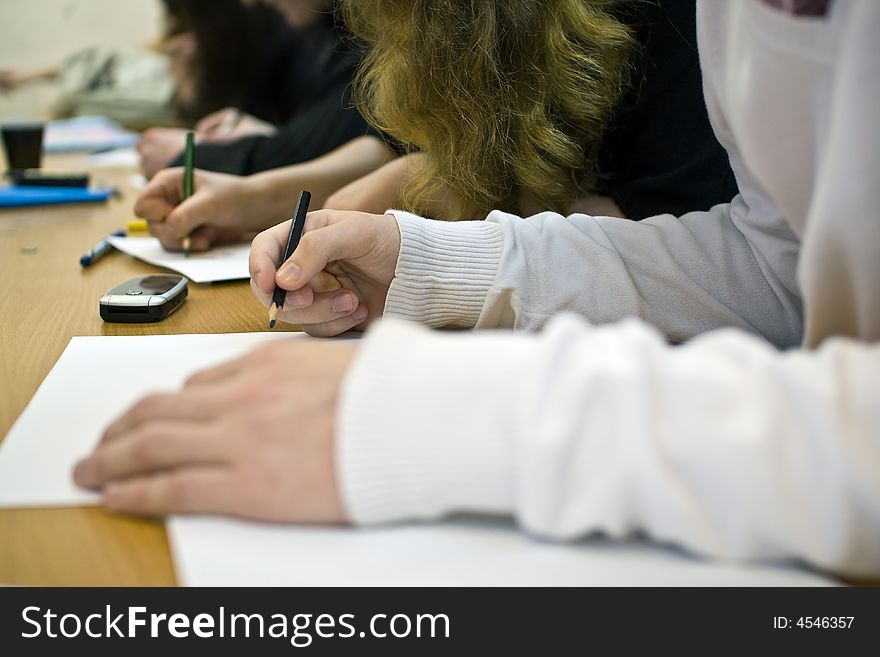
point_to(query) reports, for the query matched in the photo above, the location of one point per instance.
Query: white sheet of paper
(462, 552)
(92, 383)
(120, 157)
(223, 263)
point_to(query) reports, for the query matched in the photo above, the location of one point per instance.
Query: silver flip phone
(144, 299)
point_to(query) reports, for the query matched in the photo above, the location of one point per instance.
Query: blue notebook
(12, 196)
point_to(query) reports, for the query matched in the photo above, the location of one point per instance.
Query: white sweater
(725, 445)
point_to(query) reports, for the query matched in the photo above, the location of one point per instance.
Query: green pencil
(188, 180)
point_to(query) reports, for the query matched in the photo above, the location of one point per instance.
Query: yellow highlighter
(138, 226)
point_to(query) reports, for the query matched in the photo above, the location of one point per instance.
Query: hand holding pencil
(230, 124)
(220, 209)
(296, 230)
(338, 277)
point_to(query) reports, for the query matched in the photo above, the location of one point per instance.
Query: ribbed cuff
(444, 271)
(424, 425)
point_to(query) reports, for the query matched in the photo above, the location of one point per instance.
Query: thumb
(160, 196)
(152, 207)
(186, 217)
(341, 240)
(210, 122)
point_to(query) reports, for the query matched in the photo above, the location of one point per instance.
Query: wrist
(396, 457)
(268, 200)
(444, 270)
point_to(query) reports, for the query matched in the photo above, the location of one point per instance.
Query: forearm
(684, 275)
(276, 188)
(724, 446)
(598, 206)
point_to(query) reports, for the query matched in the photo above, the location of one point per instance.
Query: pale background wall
(39, 33)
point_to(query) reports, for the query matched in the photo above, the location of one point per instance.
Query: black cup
(24, 146)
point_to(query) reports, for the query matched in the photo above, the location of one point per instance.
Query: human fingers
(324, 307)
(212, 121)
(204, 489)
(265, 256)
(336, 326)
(161, 195)
(263, 287)
(182, 221)
(201, 239)
(248, 125)
(332, 237)
(218, 373)
(255, 358)
(185, 405)
(150, 447)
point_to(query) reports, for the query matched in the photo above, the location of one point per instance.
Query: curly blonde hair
(507, 100)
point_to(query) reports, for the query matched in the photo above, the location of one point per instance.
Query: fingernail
(360, 314)
(296, 299)
(342, 304)
(289, 273)
(82, 473)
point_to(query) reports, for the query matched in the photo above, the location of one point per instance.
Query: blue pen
(99, 249)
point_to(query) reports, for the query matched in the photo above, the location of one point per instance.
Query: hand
(158, 146)
(213, 128)
(338, 277)
(223, 209)
(11, 80)
(252, 438)
(8, 80)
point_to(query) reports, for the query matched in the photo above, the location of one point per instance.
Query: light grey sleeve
(734, 265)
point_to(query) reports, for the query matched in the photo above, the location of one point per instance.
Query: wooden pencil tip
(186, 244)
(273, 315)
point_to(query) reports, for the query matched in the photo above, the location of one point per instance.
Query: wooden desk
(47, 298)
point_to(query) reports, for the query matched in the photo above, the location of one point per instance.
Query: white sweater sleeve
(724, 446)
(734, 265)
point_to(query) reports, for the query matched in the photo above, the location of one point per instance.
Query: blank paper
(222, 263)
(94, 381)
(463, 552)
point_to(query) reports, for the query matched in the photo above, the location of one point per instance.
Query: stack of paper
(86, 134)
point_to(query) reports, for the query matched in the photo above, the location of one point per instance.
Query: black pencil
(296, 230)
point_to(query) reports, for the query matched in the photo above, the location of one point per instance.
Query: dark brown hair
(235, 45)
